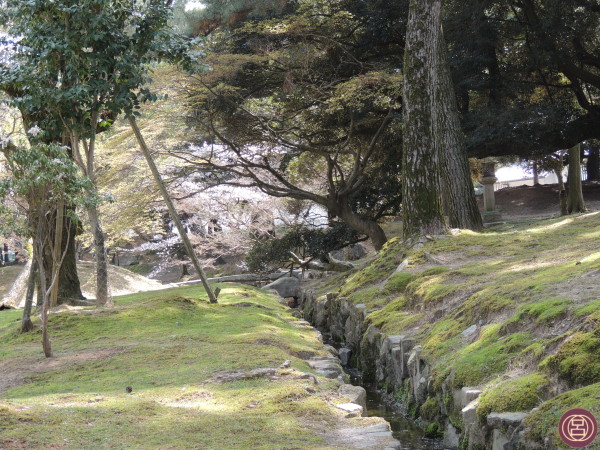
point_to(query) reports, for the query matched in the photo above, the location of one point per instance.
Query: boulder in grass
(285, 287)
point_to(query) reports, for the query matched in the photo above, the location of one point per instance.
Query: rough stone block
(356, 394)
(505, 420)
(345, 355)
(498, 440)
(464, 396)
(451, 437)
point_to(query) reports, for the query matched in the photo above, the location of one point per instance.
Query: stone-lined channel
(405, 430)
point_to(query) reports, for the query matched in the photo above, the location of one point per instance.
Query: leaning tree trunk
(422, 203)
(575, 201)
(212, 296)
(369, 228)
(26, 324)
(457, 185)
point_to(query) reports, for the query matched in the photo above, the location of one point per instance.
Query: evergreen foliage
(310, 243)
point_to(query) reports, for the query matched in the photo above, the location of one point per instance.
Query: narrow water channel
(405, 430)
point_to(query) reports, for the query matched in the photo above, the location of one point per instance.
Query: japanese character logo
(578, 428)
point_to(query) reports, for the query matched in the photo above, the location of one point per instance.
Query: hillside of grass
(513, 310)
(189, 366)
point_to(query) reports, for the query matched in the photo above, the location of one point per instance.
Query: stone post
(489, 200)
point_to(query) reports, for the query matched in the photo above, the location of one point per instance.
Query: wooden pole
(174, 216)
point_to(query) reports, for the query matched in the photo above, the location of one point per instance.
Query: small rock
(307, 376)
(285, 287)
(353, 409)
(285, 364)
(331, 349)
(469, 331)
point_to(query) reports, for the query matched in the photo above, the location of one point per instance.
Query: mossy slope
(172, 348)
(513, 309)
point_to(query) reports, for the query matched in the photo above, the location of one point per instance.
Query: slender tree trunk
(46, 345)
(102, 296)
(172, 211)
(562, 193)
(575, 201)
(593, 165)
(422, 203)
(26, 324)
(458, 190)
(536, 174)
(56, 256)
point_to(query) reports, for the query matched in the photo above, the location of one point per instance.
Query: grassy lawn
(172, 348)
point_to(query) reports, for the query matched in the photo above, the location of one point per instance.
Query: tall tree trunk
(369, 228)
(562, 193)
(536, 173)
(458, 190)
(57, 250)
(593, 165)
(26, 324)
(88, 166)
(100, 256)
(422, 203)
(46, 345)
(575, 201)
(172, 211)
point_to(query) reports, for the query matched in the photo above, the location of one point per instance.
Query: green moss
(518, 395)
(141, 269)
(398, 282)
(577, 360)
(486, 357)
(433, 431)
(436, 270)
(546, 311)
(590, 308)
(379, 269)
(543, 422)
(366, 296)
(169, 346)
(430, 409)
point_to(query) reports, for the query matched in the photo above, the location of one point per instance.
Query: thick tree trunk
(593, 165)
(458, 192)
(422, 203)
(102, 296)
(69, 286)
(26, 324)
(369, 228)
(575, 201)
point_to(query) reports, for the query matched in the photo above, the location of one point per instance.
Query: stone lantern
(490, 214)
